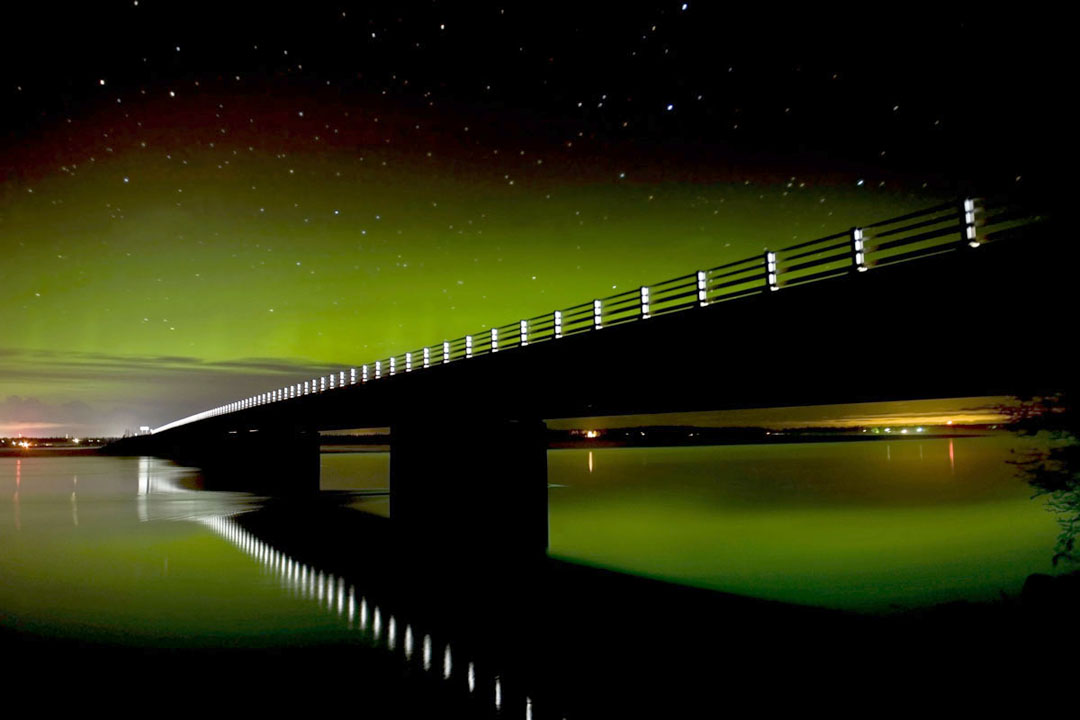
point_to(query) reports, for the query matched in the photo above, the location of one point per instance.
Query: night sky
(198, 204)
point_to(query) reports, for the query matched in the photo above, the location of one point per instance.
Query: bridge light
(427, 357)
(770, 269)
(702, 288)
(378, 369)
(445, 352)
(645, 302)
(970, 233)
(558, 323)
(858, 249)
(468, 346)
(408, 362)
(597, 314)
(494, 340)
(524, 333)
(393, 365)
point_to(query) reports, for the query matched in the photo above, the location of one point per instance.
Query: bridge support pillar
(477, 488)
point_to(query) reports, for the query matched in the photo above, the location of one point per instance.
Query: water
(130, 552)
(870, 526)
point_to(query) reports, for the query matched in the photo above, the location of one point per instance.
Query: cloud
(84, 393)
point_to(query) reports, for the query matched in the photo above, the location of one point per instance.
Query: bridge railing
(937, 230)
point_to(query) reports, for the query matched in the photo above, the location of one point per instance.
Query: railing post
(644, 303)
(494, 340)
(702, 289)
(352, 376)
(468, 346)
(858, 250)
(558, 324)
(523, 340)
(427, 357)
(771, 272)
(597, 314)
(968, 217)
(378, 369)
(445, 352)
(408, 362)
(393, 364)
(363, 373)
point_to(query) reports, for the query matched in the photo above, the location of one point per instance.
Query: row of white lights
(338, 380)
(331, 592)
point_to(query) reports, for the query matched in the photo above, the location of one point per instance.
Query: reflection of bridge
(934, 317)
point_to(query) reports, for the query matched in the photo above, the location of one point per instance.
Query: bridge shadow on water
(490, 634)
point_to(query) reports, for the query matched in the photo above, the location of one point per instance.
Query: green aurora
(163, 255)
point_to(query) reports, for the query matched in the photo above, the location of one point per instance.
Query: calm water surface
(869, 525)
(128, 550)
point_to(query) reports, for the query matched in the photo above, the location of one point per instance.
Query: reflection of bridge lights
(447, 663)
(472, 677)
(498, 693)
(427, 652)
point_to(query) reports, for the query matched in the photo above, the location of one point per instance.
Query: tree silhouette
(1054, 471)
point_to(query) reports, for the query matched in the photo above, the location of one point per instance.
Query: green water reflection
(119, 550)
(859, 525)
(125, 550)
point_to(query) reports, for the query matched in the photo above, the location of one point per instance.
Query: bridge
(959, 299)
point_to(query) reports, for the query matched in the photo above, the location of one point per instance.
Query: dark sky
(203, 201)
